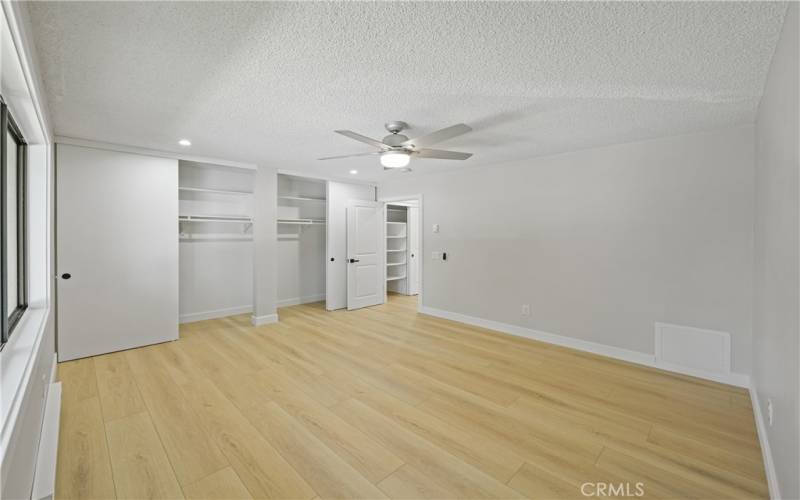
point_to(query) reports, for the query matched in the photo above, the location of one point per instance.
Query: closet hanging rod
(241, 219)
(215, 191)
(302, 198)
(301, 221)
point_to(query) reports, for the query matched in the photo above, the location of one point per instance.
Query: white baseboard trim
(264, 320)
(301, 300)
(731, 378)
(766, 452)
(44, 478)
(54, 369)
(217, 313)
(637, 357)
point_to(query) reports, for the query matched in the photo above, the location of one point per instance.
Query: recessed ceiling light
(354, 172)
(185, 142)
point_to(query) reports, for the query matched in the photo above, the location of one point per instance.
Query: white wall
(264, 246)
(777, 277)
(216, 279)
(601, 243)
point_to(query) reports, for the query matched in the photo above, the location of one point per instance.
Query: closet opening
(215, 221)
(301, 245)
(403, 246)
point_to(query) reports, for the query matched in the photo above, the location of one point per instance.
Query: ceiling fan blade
(361, 138)
(442, 154)
(438, 136)
(349, 156)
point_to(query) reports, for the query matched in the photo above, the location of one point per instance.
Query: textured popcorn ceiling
(268, 82)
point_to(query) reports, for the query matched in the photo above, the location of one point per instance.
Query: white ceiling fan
(397, 149)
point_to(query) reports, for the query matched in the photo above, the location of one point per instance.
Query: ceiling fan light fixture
(395, 159)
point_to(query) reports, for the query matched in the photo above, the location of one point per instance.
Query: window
(12, 214)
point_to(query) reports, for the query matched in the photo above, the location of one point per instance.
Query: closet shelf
(396, 237)
(393, 278)
(398, 250)
(215, 191)
(301, 221)
(403, 223)
(302, 198)
(395, 264)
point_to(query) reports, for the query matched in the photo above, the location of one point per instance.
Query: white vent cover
(690, 349)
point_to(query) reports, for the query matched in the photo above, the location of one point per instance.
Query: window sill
(16, 363)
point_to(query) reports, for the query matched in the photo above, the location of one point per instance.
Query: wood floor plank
(140, 465)
(535, 482)
(192, 454)
(83, 469)
(79, 380)
(265, 473)
(329, 475)
(363, 453)
(221, 485)
(451, 474)
(485, 454)
(119, 395)
(678, 443)
(407, 483)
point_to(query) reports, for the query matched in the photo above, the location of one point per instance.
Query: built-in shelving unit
(396, 245)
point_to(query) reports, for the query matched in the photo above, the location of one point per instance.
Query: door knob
(354, 260)
(66, 276)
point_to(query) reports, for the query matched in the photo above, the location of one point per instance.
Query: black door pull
(352, 261)
(333, 259)
(66, 276)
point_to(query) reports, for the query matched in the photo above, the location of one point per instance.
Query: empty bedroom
(407, 250)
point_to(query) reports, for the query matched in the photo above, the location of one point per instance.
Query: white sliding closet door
(117, 239)
(339, 193)
(365, 265)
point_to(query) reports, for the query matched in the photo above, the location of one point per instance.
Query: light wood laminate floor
(383, 402)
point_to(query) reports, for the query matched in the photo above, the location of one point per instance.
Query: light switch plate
(436, 228)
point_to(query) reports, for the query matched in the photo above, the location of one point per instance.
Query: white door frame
(420, 239)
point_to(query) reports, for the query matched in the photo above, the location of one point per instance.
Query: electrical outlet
(526, 309)
(770, 413)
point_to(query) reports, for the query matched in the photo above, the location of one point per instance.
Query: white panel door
(365, 268)
(339, 193)
(412, 258)
(117, 239)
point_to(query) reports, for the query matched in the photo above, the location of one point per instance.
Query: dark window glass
(13, 152)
